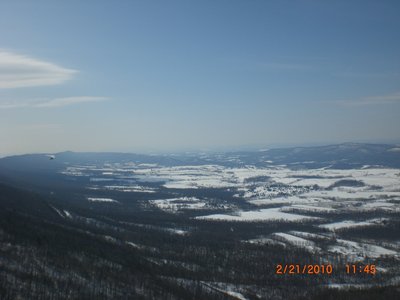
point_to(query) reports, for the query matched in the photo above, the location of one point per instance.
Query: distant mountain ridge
(346, 155)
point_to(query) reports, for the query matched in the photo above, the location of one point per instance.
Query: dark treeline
(55, 248)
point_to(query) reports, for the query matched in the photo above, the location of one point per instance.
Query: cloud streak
(59, 102)
(54, 103)
(373, 100)
(19, 71)
(287, 66)
(371, 75)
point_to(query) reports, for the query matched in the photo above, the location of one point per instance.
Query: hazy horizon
(158, 76)
(251, 148)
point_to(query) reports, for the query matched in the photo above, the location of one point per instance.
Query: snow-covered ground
(355, 251)
(349, 223)
(316, 196)
(296, 241)
(258, 215)
(176, 204)
(130, 188)
(94, 199)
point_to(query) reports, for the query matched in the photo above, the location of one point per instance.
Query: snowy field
(328, 199)
(258, 215)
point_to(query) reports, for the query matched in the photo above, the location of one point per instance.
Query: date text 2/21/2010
(316, 269)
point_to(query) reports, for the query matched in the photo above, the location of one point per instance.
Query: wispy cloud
(69, 101)
(53, 103)
(17, 71)
(287, 66)
(367, 74)
(372, 100)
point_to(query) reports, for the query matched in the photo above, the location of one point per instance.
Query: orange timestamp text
(317, 269)
(307, 269)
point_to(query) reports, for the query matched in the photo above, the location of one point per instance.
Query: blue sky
(143, 76)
